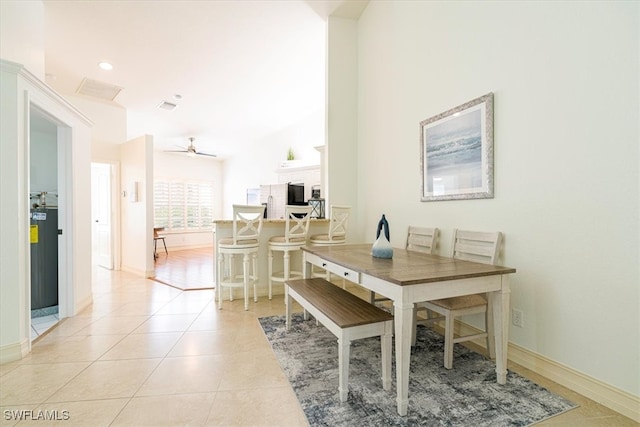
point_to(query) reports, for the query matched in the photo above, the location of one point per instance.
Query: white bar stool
(295, 236)
(247, 225)
(336, 235)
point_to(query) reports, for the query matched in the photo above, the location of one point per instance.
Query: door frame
(95, 205)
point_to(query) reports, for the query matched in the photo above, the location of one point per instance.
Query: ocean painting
(454, 154)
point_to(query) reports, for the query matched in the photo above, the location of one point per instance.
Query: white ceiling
(244, 69)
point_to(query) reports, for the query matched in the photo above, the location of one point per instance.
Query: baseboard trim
(184, 247)
(132, 270)
(613, 398)
(13, 352)
(81, 305)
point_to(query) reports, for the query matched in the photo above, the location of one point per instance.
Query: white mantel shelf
(301, 168)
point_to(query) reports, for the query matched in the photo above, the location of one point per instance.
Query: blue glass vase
(382, 247)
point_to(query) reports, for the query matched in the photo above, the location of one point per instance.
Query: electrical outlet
(517, 318)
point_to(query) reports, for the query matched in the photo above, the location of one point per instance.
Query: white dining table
(411, 277)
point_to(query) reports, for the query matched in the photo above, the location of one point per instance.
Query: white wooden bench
(347, 317)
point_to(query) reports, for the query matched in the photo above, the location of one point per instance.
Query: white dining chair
(473, 246)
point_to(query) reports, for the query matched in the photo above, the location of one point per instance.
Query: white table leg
(219, 277)
(307, 267)
(385, 347)
(403, 316)
(344, 347)
(501, 301)
(245, 271)
(288, 302)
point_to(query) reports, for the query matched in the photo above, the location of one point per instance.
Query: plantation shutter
(183, 205)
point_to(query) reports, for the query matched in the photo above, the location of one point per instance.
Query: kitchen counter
(223, 228)
(276, 221)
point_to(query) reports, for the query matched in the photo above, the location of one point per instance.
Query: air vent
(167, 105)
(96, 89)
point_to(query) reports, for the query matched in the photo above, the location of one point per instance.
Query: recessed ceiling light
(105, 66)
(177, 96)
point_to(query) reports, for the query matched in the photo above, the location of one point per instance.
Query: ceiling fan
(191, 150)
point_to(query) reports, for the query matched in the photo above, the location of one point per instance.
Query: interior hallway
(149, 354)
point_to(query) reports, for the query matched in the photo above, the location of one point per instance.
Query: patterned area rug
(467, 395)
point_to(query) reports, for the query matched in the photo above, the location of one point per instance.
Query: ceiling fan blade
(175, 151)
(206, 154)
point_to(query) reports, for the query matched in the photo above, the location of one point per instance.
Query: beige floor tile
(265, 407)
(208, 320)
(12, 415)
(253, 370)
(199, 343)
(185, 304)
(109, 379)
(569, 419)
(77, 348)
(71, 325)
(192, 374)
(211, 319)
(250, 339)
(113, 325)
(166, 323)
(175, 410)
(79, 414)
(35, 383)
(143, 346)
(5, 368)
(137, 308)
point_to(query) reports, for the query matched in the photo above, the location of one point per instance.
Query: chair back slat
(477, 246)
(339, 222)
(422, 239)
(247, 222)
(297, 222)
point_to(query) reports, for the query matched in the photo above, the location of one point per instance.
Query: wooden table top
(406, 267)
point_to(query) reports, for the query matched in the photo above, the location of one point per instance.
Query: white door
(101, 213)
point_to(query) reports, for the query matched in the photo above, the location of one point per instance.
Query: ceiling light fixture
(105, 66)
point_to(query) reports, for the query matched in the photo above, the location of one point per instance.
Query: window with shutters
(183, 205)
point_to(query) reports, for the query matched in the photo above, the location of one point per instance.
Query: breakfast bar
(270, 228)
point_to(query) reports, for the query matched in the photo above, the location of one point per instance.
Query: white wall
(43, 174)
(137, 216)
(342, 123)
(22, 34)
(110, 119)
(565, 79)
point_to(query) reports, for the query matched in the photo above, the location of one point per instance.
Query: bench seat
(347, 317)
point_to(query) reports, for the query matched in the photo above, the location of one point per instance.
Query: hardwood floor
(187, 269)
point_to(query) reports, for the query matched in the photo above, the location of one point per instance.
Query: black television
(295, 194)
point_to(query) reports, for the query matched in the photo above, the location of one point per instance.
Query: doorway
(45, 213)
(102, 175)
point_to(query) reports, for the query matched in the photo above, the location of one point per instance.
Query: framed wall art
(456, 149)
